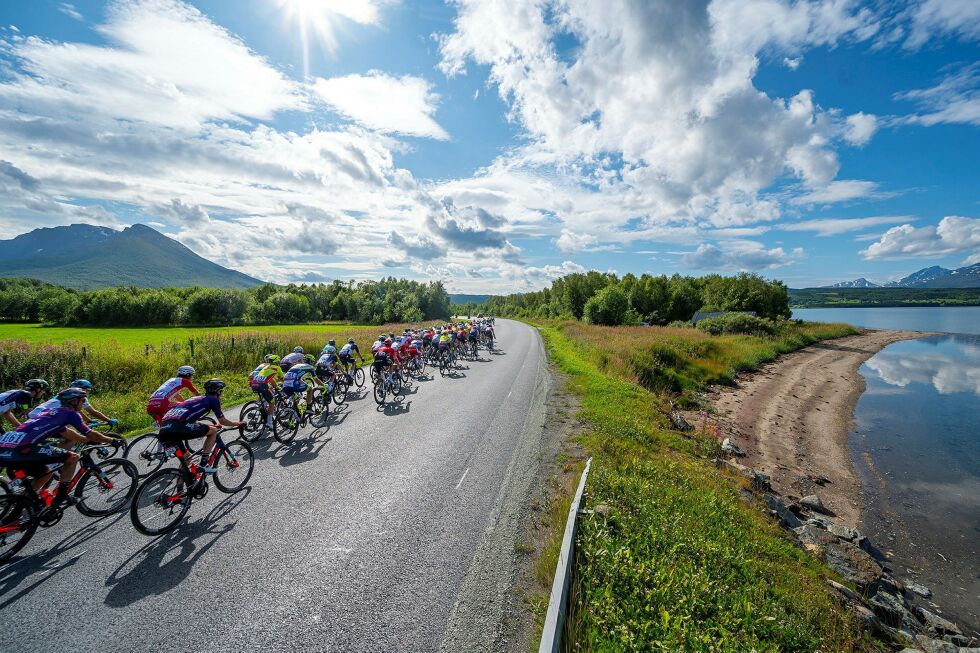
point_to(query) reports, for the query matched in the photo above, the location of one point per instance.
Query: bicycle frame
(45, 497)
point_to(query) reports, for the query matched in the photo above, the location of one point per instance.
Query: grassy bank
(674, 557)
(127, 365)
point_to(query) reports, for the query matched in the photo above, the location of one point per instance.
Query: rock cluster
(882, 602)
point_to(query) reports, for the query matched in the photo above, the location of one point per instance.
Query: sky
(499, 145)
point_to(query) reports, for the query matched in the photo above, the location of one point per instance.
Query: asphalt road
(388, 530)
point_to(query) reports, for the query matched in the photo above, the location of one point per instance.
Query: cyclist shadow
(396, 408)
(166, 562)
(457, 374)
(37, 563)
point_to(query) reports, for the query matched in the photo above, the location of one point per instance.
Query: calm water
(957, 319)
(916, 445)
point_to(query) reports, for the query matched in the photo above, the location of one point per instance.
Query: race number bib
(12, 438)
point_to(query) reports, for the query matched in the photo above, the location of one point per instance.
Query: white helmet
(298, 350)
(185, 370)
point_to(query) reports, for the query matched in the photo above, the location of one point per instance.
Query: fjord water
(944, 319)
(916, 447)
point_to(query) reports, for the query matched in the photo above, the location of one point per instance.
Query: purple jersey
(194, 409)
(48, 424)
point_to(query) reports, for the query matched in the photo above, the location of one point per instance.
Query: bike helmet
(69, 395)
(298, 350)
(271, 359)
(37, 384)
(388, 341)
(84, 384)
(185, 370)
(332, 342)
(213, 386)
(309, 359)
(350, 341)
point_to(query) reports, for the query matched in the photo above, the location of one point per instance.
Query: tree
(608, 306)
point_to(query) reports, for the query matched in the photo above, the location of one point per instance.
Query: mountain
(86, 257)
(464, 299)
(857, 283)
(931, 277)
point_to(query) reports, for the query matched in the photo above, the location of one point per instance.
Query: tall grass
(125, 375)
(679, 559)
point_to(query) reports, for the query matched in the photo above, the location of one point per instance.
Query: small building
(700, 315)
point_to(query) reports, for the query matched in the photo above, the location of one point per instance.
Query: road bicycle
(355, 375)
(163, 499)
(294, 412)
(148, 454)
(389, 382)
(254, 417)
(101, 487)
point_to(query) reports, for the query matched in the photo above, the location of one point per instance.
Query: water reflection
(950, 364)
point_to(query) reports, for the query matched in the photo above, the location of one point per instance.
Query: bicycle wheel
(379, 393)
(18, 522)
(107, 451)
(320, 403)
(234, 466)
(359, 377)
(339, 392)
(161, 501)
(397, 384)
(108, 492)
(146, 452)
(287, 424)
(253, 423)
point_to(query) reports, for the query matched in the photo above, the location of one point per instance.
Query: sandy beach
(793, 417)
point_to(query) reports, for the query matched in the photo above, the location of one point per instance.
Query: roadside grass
(678, 558)
(125, 371)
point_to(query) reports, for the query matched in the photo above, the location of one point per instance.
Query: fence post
(84, 352)
(192, 347)
(146, 350)
(233, 342)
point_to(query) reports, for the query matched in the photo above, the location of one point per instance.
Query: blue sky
(498, 146)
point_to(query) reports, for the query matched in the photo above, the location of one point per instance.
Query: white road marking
(463, 477)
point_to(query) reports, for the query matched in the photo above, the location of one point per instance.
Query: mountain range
(85, 257)
(931, 277)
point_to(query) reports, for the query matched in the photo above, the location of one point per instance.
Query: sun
(318, 21)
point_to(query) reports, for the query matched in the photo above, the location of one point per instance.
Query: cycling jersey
(194, 409)
(171, 387)
(54, 403)
(264, 375)
(293, 358)
(294, 381)
(349, 349)
(385, 355)
(328, 349)
(15, 399)
(324, 361)
(46, 425)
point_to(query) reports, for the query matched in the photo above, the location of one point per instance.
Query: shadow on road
(165, 562)
(399, 407)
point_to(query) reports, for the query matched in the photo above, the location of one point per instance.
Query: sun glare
(318, 20)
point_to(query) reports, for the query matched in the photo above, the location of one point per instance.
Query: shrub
(608, 307)
(739, 323)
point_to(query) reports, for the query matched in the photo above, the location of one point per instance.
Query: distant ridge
(465, 299)
(86, 257)
(931, 277)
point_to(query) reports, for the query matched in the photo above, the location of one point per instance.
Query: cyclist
(295, 380)
(169, 393)
(347, 355)
(11, 400)
(379, 343)
(262, 381)
(474, 335)
(292, 359)
(330, 347)
(180, 422)
(384, 358)
(88, 410)
(25, 447)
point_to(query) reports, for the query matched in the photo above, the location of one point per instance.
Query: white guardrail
(554, 622)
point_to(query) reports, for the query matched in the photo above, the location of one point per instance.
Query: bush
(739, 323)
(608, 307)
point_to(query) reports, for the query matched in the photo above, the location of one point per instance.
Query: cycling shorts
(33, 459)
(158, 408)
(172, 431)
(295, 389)
(262, 391)
(347, 359)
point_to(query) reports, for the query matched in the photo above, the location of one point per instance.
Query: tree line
(604, 298)
(369, 302)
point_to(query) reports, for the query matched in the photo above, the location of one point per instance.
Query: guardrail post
(554, 622)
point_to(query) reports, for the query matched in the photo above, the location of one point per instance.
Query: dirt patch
(792, 418)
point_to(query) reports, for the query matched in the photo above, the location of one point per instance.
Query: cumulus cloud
(835, 226)
(422, 248)
(403, 105)
(739, 255)
(952, 235)
(946, 374)
(860, 128)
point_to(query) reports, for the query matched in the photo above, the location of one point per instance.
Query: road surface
(389, 530)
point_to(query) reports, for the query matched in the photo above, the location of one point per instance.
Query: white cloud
(403, 105)
(835, 226)
(69, 10)
(953, 234)
(935, 18)
(792, 62)
(739, 255)
(956, 99)
(860, 128)
(842, 190)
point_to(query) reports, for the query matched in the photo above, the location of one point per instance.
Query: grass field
(677, 558)
(127, 365)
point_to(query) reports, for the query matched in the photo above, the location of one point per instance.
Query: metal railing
(554, 622)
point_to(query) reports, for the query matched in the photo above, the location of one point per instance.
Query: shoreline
(793, 418)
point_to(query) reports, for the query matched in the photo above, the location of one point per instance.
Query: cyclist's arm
(10, 417)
